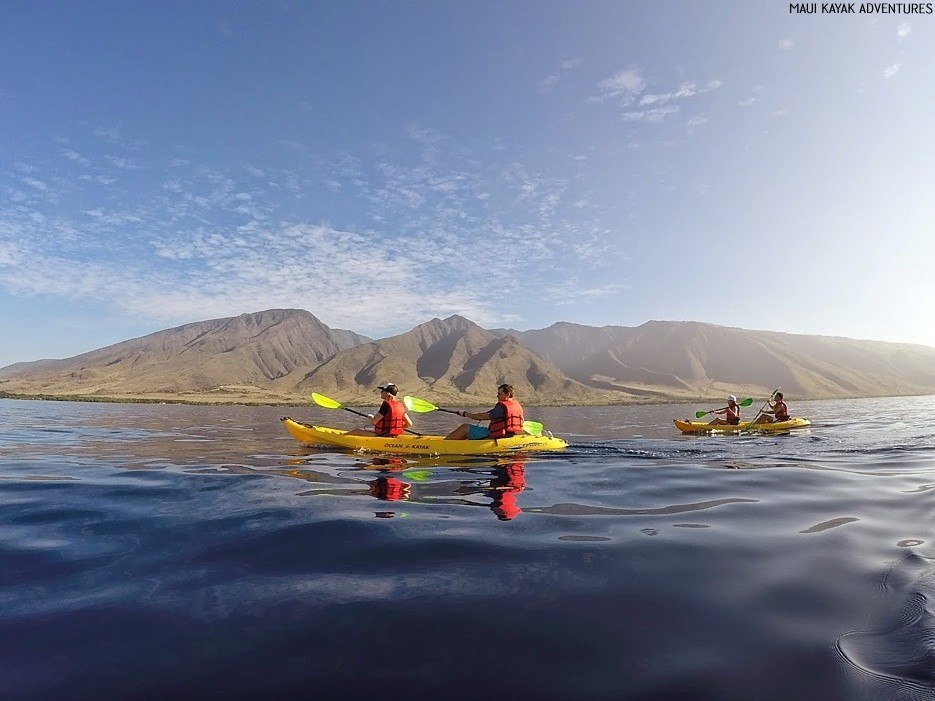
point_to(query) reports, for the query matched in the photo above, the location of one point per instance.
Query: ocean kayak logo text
(864, 8)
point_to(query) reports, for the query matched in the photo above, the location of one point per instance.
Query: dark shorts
(734, 422)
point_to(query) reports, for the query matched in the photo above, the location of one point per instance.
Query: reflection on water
(489, 482)
(150, 551)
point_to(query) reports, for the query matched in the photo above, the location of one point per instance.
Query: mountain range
(282, 355)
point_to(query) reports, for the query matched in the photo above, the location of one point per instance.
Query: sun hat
(731, 398)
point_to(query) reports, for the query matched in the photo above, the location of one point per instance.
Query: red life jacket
(780, 410)
(511, 423)
(392, 419)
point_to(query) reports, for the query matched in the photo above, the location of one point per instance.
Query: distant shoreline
(246, 401)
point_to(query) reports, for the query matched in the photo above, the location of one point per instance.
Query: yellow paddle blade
(420, 406)
(533, 428)
(327, 402)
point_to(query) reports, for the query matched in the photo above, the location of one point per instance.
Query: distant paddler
(731, 413)
(778, 411)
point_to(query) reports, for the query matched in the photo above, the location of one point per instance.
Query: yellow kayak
(418, 445)
(777, 427)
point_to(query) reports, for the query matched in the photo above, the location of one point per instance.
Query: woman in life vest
(506, 419)
(731, 414)
(778, 411)
(391, 419)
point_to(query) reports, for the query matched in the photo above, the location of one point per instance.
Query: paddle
(420, 406)
(329, 403)
(762, 408)
(746, 402)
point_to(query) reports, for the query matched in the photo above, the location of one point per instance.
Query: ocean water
(153, 551)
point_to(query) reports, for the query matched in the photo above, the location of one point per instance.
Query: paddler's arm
(477, 415)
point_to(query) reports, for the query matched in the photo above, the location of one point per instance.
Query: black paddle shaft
(367, 416)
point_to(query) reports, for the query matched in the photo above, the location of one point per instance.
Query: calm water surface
(155, 550)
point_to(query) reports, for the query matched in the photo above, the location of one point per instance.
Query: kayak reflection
(498, 484)
(494, 483)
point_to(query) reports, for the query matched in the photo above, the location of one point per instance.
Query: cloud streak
(564, 68)
(627, 88)
(444, 230)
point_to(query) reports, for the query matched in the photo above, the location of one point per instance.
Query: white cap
(731, 398)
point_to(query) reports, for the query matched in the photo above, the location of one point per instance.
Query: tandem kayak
(777, 427)
(418, 445)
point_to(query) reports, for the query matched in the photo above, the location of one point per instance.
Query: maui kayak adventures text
(865, 8)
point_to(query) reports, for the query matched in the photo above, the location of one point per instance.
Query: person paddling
(731, 413)
(391, 419)
(778, 411)
(506, 419)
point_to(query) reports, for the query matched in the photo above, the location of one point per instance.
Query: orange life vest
(511, 423)
(392, 423)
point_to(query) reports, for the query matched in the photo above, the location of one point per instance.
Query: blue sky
(519, 163)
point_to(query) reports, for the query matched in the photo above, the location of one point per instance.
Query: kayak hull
(744, 426)
(418, 445)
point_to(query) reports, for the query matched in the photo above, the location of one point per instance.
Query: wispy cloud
(685, 90)
(574, 290)
(122, 163)
(890, 71)
(650, 116)
(625, 86)
(36, 184)
(786, 44)
(203, 241)
(691, 126)
(747, 102)
(903, 30)
(628, 86)
(73, 155)
(564, 68)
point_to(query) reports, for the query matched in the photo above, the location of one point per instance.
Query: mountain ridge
(280, 355)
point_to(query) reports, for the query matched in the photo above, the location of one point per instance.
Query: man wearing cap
(506, 419)
(391, 419)
(731, 413)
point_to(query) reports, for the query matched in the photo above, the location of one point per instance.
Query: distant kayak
(777, 427)
(418, 445)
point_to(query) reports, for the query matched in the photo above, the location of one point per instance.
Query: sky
(518, 163)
